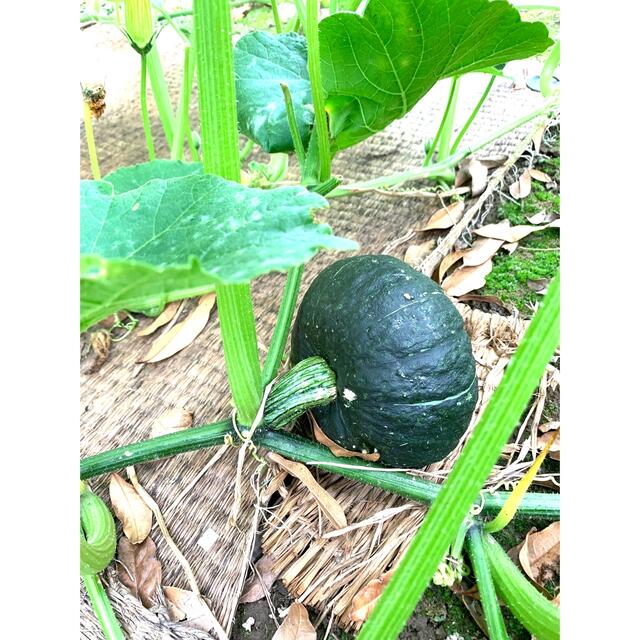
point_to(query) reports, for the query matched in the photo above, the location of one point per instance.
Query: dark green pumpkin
(404, 368)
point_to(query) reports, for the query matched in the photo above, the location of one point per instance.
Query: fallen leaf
(466, 279)
(479, 173)
(539, 286)
(166, 316)
(139, 570)
(540, 176)
(444, 218)
(540, 554)
(238, 13)
(480, 251)
(176, 419)
(100, 346)
(327, 503)
(188, 606)
(510, 247)
(464, 174)
(335, 448)
(543, 217)
(365, 600)
(254, 589)
(547, 431)
(447, 262)
(522, 187)
(537, 138)
(507, 232)
(416, 253)
(472, 297)
(296, 626)
(183, 333)
(130, 509)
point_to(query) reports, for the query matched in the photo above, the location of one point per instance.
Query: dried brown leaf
(547, 432)
(464, 175)
(327, 503)
(166, 316)
(254, 589)
(444, 218)
(510, 247)
(480, 251)
(539, 286)
(479, 173)
(556, 600)
(416, 253)
(365, 600)
(466, 279)
(190, 607)
(540, 176)
(522, 187)
(296, 626)
(100, 346)
(507, 232)
(473, 297)
(139, 570)
(183, 333)
(336, 449)
(176, 419)
(540, 554)
(447, 262)
(130, 509)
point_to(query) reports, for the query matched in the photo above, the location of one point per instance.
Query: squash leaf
(376, 67)
(262, 61)
(179, 237)
(134, 176)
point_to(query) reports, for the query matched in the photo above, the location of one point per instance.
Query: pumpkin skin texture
(404, 369)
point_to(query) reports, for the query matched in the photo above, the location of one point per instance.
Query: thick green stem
(538, 615)
(246, 150)
(160, 93)
(91, 143)
(320, 122)
(182, 116)
(473, 115)
(220, 156)
(422, 173)
(283, 323)
(444, 130)
(146, 123)
(102, 607)
(276, 16)
(293, 127)
(550, 65)
(488, 597)
(238, 329)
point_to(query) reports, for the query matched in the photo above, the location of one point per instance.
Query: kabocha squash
(404, 369)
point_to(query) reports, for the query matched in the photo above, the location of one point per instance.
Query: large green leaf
(174, 238)
(262, 61)
(375, 67)
(134, 176)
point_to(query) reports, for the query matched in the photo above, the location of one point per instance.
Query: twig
(429, 265)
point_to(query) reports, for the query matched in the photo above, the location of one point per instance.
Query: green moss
(538, 255)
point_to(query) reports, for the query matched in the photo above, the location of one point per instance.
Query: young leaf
(130, 509)
(261, 62)
(139, 569)
(182, 236)
(376, 67)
